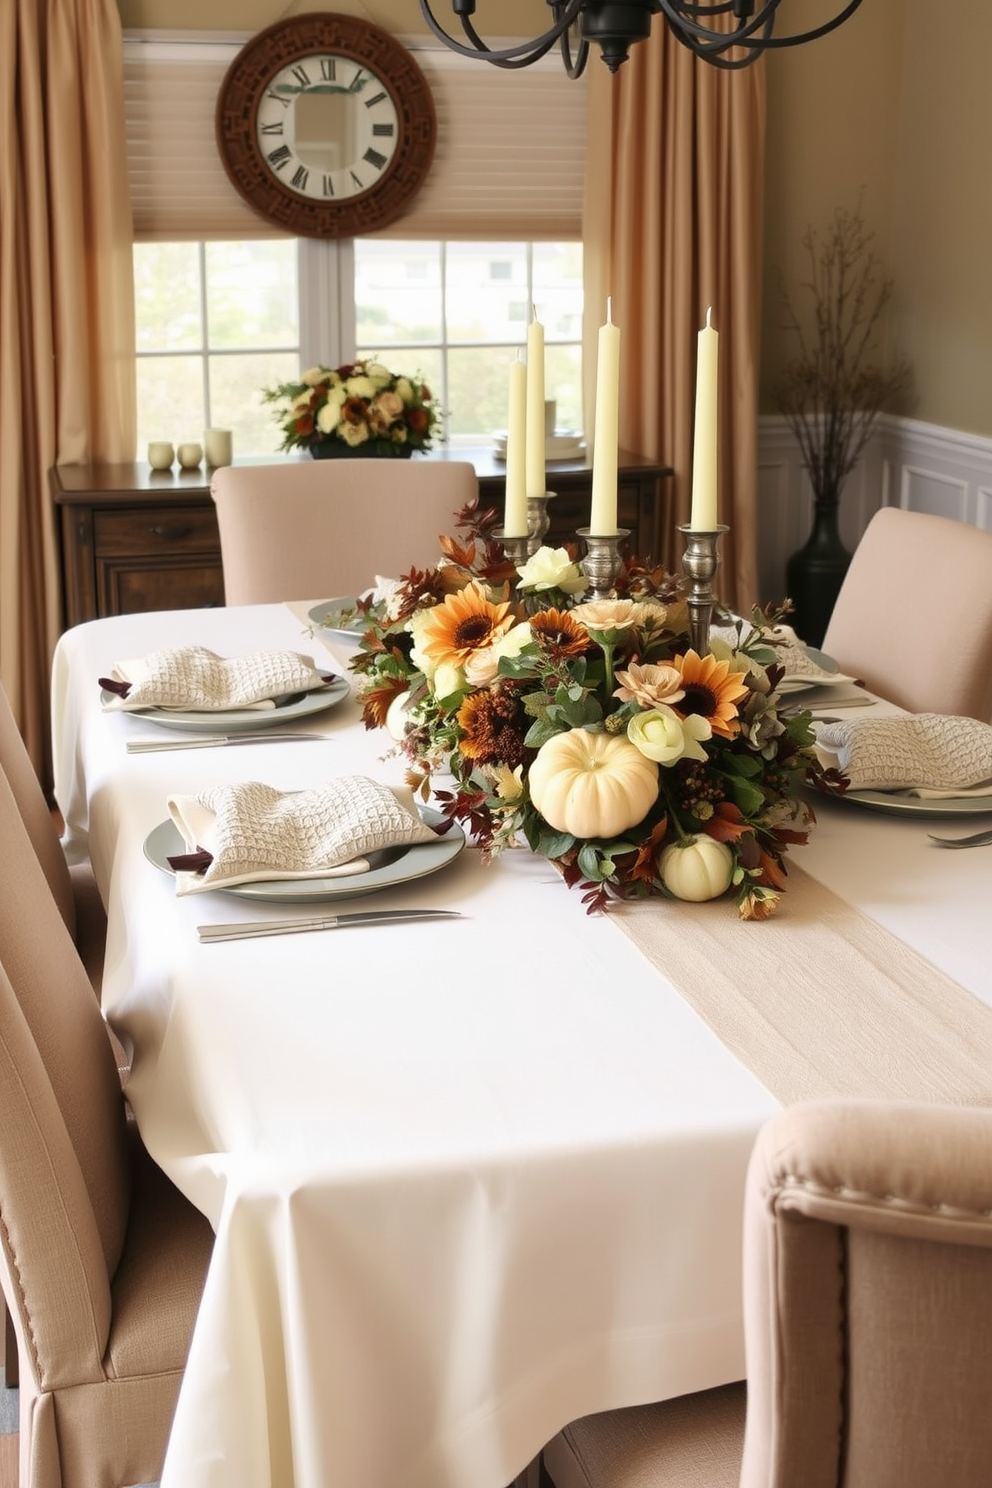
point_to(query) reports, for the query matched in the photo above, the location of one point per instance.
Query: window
(218, 321)
(215, 323)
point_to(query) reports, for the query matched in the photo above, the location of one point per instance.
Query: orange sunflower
(464, 623)
(558, 634)
(712, 690)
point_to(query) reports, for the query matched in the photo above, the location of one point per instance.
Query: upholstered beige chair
(868, 1320)
(323, 528)
(74, 889)
(102, 1261)
(913, 618)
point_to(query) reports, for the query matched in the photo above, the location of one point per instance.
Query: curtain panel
(66, 307)
(672, 227)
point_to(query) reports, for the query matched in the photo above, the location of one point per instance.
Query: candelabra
(602, 561)
(515, 548)
(538, 520)
(700, 561)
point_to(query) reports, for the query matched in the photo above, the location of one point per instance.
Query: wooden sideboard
(136, 539)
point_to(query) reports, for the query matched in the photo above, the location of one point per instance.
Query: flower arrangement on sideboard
(361, 407)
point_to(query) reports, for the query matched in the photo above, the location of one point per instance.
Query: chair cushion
(694, 1441)
(156, 1291)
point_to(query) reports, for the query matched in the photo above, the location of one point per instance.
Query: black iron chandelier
(615, 27)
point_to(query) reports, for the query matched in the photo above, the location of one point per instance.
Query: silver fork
(977, 839)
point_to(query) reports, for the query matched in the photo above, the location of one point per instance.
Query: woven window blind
(509, 163)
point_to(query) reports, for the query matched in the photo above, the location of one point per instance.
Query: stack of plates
(563, 444)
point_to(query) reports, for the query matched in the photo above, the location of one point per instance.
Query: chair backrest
(323, 528)
(15, 762)
(867, 1319)
(868, 1298)
(64, 1170)
(913, 618)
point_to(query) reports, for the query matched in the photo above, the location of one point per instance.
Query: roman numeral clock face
(326, 126)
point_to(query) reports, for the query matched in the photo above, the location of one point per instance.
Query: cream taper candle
(702, 515)
(536, 474)
(515, 510)
(603, 516)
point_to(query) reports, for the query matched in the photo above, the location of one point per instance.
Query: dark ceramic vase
(373, 449)
(815, 573)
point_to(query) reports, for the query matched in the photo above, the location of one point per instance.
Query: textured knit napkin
(193, 678)
(923, 754)
(251, 832)
(800, 669)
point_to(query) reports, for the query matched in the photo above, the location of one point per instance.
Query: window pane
(236, 383)
(558, 290)
(397, 292)
(478, 391)
(170, 400)
(487, 292)
(252, 294)
(563, 382)
(167, 296)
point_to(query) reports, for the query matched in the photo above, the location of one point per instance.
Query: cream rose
(552, 568)
(661, 735)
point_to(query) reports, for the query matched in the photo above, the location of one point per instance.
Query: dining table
(470, 1178)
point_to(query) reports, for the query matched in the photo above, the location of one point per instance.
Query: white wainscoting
(921, 467)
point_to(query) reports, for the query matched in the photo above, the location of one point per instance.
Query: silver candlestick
(538, 520)
(515, 548)
(602, 561)
(701, 560)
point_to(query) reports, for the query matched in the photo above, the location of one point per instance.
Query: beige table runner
(820, 1001)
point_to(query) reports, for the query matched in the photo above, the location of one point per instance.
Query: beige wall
(891, 109)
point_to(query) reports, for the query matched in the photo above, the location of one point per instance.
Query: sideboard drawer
(154, 529)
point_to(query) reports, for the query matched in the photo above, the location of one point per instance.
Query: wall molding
(907, 463)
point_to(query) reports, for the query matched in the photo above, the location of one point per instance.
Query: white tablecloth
(469, 1180)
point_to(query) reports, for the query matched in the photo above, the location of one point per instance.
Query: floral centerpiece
(591, 730)
(360, 408)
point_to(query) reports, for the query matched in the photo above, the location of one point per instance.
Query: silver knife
(253, 929)
(270, 736)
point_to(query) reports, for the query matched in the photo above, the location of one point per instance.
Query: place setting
(351, 836)
(220, 700)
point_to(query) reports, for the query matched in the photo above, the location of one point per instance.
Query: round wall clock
(326, 126)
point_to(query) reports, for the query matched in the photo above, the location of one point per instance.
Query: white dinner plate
(349, 625)
(390, 867)
(918, 805)
(244, 720)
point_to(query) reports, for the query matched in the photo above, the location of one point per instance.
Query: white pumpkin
(698, 869)
(396, 717)
(592, 785)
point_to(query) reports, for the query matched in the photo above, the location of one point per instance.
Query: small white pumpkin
(592, 785)
(396, 717)
(698, 869)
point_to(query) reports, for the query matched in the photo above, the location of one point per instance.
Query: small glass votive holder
(161, 454)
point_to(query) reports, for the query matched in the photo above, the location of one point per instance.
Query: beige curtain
(66, 307)
(672, 226)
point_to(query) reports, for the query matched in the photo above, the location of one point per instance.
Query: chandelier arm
(786, 41)
(704, 40)
(710, 44)
(515, 56)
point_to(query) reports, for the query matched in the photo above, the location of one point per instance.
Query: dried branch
(831, 392)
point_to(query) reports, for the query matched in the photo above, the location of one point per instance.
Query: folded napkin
(800, 668)
(923, 754)
(191, 677)
(251, 832)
